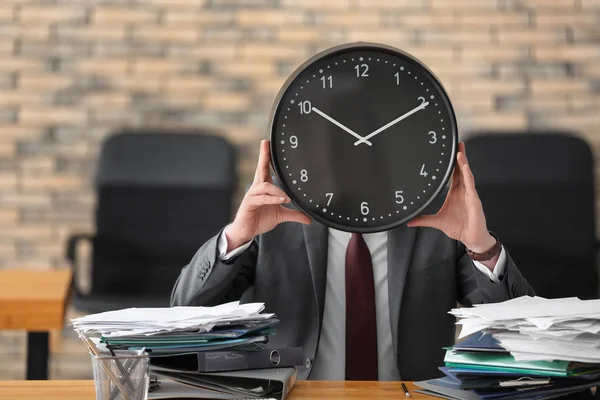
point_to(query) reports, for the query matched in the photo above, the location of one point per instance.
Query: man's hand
(461, 217)
(261, 209)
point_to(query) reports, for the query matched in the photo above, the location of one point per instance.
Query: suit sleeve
(207, 280)
(475, 287)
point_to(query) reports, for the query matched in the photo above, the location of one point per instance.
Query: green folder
(507, 363)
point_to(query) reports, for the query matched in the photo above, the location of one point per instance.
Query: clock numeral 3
(294, 141)
(433, 139)
(399, 197)
(364, 209)
(423, 172)
(330, 195)
(364, 68)
(304, 175)
(305, 107)
(327, 81)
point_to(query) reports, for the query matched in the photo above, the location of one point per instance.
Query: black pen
(406, 394)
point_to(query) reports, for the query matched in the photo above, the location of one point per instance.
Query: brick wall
(71, 71)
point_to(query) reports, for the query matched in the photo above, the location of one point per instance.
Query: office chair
(537, 191)
(160, 196)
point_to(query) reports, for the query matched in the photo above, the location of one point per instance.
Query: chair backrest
(160, 197)
(537, 191)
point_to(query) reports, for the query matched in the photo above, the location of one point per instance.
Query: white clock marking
(401, 68)
(360, 59)
(310, 200)
(321, 71)
(304, 194)
(433, 177)
(283, 142)
(292, 101)
(431, 97)
(443, 136)
(364, 220)
(294, 181)
(404, 207)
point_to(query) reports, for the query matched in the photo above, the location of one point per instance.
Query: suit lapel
(316, 237)
(400, 249)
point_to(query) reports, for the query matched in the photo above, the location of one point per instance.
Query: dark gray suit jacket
(428, 273)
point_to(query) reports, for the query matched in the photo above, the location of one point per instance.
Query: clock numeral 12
(305, 107)
(423, 172)
(327, 79)
(365, 70)
(364, 209)
(304, 175)
(399, 197)
(330, 195)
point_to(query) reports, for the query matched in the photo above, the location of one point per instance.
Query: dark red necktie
(361, 321)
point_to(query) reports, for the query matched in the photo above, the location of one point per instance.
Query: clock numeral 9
(304, 175)
(433, 139)
(294, 141)
(399, 197)
(330, 195)
(365, 70)
(305, 107)
(423, 172)
(325, 80)
(364, 210)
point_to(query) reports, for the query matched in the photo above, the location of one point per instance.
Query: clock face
(363, 137)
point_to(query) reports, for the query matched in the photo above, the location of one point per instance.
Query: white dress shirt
(330, 362)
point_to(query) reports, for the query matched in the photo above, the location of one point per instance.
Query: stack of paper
(534, 328)
(524, 348)
(201, 348)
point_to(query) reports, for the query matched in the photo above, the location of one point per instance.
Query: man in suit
(363, 307)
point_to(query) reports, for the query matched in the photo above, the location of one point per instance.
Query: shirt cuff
(222, 247)
(498, 269)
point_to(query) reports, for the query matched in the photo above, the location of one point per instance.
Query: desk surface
(304, 390)
(33, 300)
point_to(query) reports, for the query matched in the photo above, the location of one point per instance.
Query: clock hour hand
(333, 121)
(394, 122)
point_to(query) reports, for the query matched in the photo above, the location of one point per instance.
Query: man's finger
(430, 221)
(263, 174)
(469, 180)
(288, 215)
(265, 200)
(267, 188)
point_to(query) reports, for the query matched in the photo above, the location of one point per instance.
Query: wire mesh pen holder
(124, 376)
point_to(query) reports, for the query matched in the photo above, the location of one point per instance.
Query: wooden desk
(304, 390)
(35, 301)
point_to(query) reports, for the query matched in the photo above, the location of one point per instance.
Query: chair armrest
(71, 255)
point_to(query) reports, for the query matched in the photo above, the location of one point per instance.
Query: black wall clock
(363, 137)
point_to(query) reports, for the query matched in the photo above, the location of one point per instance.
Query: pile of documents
(524, 348)
(212, 352)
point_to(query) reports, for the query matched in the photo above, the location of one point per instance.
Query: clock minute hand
(394, 122)
(333, 121)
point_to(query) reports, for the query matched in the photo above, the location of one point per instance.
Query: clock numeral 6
(364, 68)
(304, 175)
(326, 80)
(399, 197)
(423, 172)
(433, 139)
(294, 141)
(330, 195)
(305, 107)
(364, 210)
